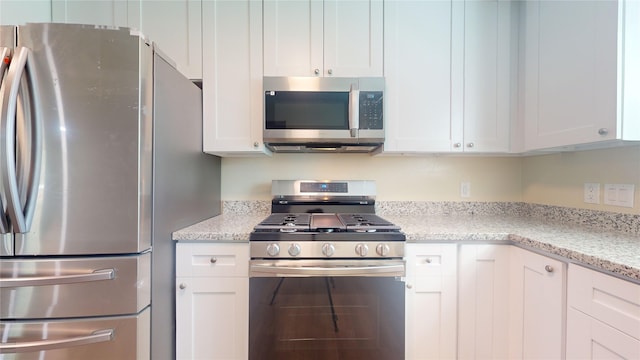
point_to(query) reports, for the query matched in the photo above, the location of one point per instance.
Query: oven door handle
(298, 268)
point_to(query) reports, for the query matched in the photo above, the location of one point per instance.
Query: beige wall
(555, 179)
(427, 178)
(559, 179)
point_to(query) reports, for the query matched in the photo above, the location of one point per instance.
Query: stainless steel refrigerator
(100, 161)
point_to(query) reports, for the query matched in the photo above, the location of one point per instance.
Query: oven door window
(326, 318)
(299, 110)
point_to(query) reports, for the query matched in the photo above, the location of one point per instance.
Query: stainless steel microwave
(315, 114)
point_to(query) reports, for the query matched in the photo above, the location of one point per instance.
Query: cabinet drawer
(208, 259)
(611, 300)
(430, 259)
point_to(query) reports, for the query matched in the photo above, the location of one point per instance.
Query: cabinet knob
(457, 145)
(330, 71)
(427, 260)
(603, 131)
(316, 71)
(549, 268)
(213, 260)
(256, 144)
(409, 286)
(470, 145)
(182, 286)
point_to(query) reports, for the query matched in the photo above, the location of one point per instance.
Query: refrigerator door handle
(17, 84)
(98, 275)
(5, 55)
(33, 346)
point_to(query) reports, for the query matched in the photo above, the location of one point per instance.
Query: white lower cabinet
(483, 303)
(603, 316)
(212, 301)
(537, 293)
(430, 320)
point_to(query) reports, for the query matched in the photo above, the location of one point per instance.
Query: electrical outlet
(465, 189)
(592, 193)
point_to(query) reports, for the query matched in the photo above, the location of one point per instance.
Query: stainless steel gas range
(326, 275)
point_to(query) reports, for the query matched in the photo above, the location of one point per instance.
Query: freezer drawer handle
(106, 274)
(32, 346)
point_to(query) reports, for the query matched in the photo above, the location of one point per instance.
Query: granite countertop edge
(612, 252)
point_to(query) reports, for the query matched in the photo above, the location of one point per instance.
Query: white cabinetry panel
(212, 301)
(323, 38)
(603, 316)
(176, 26)
(232, 78)
(483, 305)
(430, 328)
(579, 81)
(19, 12)
(537, 301)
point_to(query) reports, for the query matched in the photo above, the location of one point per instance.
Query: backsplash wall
(398, 178)
(558, 179)
(555, 179)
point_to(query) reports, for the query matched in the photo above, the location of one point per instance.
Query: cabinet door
(430, 313)
(323, 38)
(483, 305)
(481, 112)
(570, 72)
(175, 26)
(232, 77)
(293, 44)
(417, 57)
(353, 38)
(95, 12)
(212, 318)
(537, 300)
(19, 12)
(588, 338)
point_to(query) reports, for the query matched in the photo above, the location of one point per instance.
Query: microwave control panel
(371, 110)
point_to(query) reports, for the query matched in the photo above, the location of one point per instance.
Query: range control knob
(294, 249)
(382, 249)
(328, 249)
(273, 249)
(362, 249)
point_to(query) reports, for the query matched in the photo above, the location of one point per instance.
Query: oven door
(326, 309)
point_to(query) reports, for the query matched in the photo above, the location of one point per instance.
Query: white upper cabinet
(448, 71)
(18, 12)
(175, 26)
(581, 79)
(323, 38)
(484, 85)
(96, 12)
(232, 77)
(417, 56)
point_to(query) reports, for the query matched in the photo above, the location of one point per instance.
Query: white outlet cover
(592, 193)
(465, 189)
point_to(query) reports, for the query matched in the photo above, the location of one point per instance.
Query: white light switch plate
(619, 194)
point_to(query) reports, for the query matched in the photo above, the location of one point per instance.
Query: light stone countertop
(614, 252)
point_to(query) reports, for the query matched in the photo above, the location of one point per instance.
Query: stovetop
(322, 222)
(325, 227)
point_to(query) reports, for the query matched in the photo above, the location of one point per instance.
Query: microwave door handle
(354, 110)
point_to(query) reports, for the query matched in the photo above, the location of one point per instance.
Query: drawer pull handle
(213, 260)
(549, 268)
